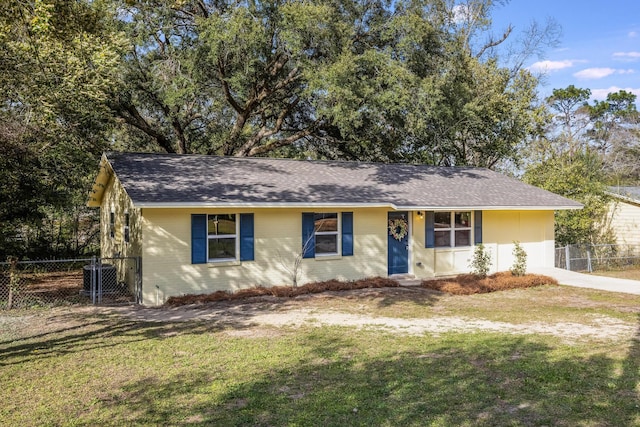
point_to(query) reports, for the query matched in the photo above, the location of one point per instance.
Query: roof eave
(284, 205)
(259, 205)
(624, 198)
(99, 185)
(493, 208)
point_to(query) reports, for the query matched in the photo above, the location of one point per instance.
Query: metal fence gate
(107, 281)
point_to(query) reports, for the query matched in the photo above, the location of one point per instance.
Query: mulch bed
(469, 284)
(465, 284)
(283, 291)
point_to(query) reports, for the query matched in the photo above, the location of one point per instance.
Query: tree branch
(264, 132)
(130, 114)
(282, 142)
(494, 43)
(225, 87)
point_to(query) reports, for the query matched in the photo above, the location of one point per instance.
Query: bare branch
(493, 43)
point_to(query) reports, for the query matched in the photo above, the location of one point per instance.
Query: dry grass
(468, 284)
(631, 273)
(464, 284)
(283, 291)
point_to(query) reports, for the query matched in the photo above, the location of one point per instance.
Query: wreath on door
(398, 228)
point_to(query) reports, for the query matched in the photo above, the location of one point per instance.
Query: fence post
(567, 260)
(93, 279)
(589, 269)
(14, 281)
(138, 289)
(99, 275)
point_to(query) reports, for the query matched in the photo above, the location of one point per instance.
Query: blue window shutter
(246, 237)
(308, 235)
(429, 230)
(198, 239)
(477, 228)
(347, 233)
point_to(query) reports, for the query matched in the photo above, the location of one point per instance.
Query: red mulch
(468, 284)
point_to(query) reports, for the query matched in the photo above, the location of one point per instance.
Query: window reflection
(221, 231)
(326, 233)
(452, 229)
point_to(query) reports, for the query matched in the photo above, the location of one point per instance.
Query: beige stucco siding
(167, 267)
(534, 230)
(277, 240)
(168, 270)
(625, 222)
(116, 200)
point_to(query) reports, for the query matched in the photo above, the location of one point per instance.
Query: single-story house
(207, 223)
(624, 215)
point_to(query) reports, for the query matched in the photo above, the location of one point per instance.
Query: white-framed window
(222, 237)
(326, 228)
(452, 229)
(126, 229)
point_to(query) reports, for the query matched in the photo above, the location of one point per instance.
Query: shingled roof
(171, 180)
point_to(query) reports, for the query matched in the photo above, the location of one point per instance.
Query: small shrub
(519, 267)
(481, 261)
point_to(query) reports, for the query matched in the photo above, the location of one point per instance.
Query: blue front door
(398, 242)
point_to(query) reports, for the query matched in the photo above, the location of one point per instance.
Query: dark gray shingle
(191, 180)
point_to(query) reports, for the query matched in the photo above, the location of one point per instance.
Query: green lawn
(85, 367)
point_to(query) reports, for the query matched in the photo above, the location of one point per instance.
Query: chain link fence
(597, 257)
(30, 284)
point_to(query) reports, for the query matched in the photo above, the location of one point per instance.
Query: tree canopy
(587, 146)
(374, 80)
(58, 64)
(411, 81)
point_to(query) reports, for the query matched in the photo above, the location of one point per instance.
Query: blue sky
(599, 46)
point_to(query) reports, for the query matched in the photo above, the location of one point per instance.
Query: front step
(406, 279)
(402, 276)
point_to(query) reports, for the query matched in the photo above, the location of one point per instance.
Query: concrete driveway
(571, 278)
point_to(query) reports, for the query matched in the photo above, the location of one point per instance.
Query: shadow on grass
(98, 332)
(109, 330)
(238, 312)
(472, 379)
(388, 297)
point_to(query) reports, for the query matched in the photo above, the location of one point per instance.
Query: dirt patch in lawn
(259, 316)
(550, 310)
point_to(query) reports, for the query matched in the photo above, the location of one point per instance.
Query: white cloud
(627, 56)
(594, 73)
(546, 66)
(632, 34)
(601, 94)
(598, 73)
(462, 13)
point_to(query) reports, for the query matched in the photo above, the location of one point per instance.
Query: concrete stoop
(406, 279)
